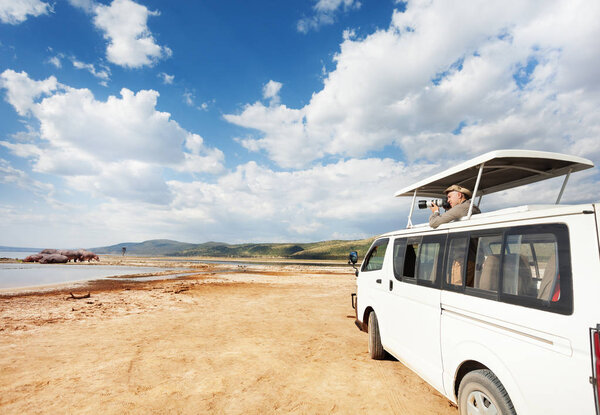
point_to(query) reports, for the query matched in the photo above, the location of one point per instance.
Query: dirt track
(267, 340)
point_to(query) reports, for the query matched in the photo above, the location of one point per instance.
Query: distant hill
(152, 247)
(335, 249)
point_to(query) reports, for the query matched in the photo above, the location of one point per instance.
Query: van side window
(455, 263)
(531, 266)
(374, 259)
(486, 271)
(524, 265)
(428, 258)
(399, 250)
(410, 258)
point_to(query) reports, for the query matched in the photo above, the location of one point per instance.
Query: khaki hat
(458, 188)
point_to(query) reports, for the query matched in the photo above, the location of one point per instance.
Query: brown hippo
(49, 251)
(88, 256)
(33, 258)
(53, 259)
(71, 254)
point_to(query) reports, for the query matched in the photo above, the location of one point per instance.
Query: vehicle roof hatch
(498, 170)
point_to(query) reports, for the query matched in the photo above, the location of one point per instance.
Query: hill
(152, 247)
(336, 249)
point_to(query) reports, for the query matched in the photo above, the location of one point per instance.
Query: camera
(424, 204)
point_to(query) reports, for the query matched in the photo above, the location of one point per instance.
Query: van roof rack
(495, 171)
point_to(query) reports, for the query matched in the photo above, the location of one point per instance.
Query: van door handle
(391, 285)
(378, 281)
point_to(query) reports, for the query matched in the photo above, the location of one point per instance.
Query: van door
(371, 281)
(414, 302)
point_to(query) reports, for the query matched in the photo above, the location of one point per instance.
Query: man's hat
(457, 188)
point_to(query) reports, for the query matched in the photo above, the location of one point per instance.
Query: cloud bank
(444, 76)
(117, 148)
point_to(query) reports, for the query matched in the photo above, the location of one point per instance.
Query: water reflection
(33, 274)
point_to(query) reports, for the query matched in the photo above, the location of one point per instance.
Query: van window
(486, 271)
(531, 266)
(399, 250)
(374, 259)
(428, 259)
(410, 257)
(525, 265)
(456, 259)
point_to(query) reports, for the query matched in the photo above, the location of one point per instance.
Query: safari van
(498, 311)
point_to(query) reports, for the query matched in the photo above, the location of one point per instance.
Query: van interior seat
(517, 278)
(547, 286)
(488, 278)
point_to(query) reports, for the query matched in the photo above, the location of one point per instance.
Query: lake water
(33, 274)
(16, 254)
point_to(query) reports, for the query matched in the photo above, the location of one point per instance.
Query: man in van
(458, 198)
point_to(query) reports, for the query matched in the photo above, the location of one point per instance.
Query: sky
(277, 121)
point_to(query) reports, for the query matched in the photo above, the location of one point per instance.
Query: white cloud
(324, 13)
(199, 158)
(190, 100)
(271, 91)
(16, 11)
(93, 142)
(166, 78)
(124, 25)
(130, 42)
(102, 74)
(56, 61)
(251, 203)
(447, 78)
(86, 5)
(126, 181)
(22, 91)
(286, 140)
(10, 175)
(352, 196)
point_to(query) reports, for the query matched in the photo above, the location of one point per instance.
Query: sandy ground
(225, 339)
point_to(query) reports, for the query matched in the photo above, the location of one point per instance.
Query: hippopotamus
(33, 258)
(88, 256)
(53, 259)
(71, 254)
(49, 251)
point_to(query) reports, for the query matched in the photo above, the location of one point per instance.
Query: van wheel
(481, 392)
(375, 348)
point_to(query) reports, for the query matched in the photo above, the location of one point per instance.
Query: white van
(498, 311)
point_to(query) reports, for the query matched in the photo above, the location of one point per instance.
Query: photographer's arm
(436, 219)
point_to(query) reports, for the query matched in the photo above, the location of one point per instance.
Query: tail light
(595, 338)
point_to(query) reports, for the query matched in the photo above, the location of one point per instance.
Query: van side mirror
(353, 259)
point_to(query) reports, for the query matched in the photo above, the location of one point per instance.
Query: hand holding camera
(424, 204)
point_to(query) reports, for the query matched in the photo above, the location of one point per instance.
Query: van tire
(479, 390)
(375, 347)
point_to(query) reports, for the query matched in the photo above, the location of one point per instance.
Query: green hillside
(152, 247)
(335, 249)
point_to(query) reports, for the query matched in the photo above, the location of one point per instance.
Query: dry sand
(228, 339)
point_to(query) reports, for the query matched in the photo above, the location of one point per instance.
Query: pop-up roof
(502, 169)
(499, 170)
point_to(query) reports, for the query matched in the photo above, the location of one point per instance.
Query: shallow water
(33, 274)
(16, 254)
